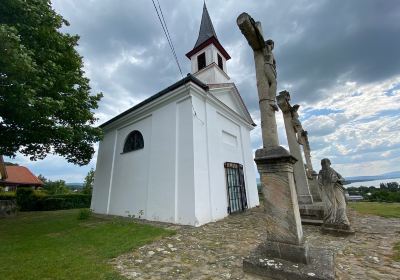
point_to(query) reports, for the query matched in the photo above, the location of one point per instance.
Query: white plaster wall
(201, 162)
(156, 182)
(209, 57)
(103, 173)
(213, 74)
(219, 140)
(128, 195)
(226, 96)
(185, 193)
(249, 171)
(179, 176)
(215, 53)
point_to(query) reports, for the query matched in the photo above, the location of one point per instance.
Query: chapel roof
(206, 28)
(187, 79)
(207, 36)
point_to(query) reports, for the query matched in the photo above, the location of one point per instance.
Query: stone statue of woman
(332, 192)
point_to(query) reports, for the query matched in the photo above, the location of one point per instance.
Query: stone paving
(216, 250)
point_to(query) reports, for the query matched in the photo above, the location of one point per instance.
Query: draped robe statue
(332, 192)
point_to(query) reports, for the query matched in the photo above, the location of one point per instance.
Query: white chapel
(183, 155)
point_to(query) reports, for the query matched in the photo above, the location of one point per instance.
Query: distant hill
(353, 179)
(389, 175)
(75, 185)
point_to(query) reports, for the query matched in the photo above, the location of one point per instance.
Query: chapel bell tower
(208, 56)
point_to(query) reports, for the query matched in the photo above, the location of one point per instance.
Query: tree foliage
(54, 187)
(387, 192)
(88, 183)
(45, 101)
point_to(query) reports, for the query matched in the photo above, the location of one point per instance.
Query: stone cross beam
(291, 121)
(252, 31)
(307, 150)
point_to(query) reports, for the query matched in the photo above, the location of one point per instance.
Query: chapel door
(236, 189)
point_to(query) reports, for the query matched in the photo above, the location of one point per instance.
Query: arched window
(133, 142)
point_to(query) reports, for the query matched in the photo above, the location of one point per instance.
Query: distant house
(17, 176)
(353, 197)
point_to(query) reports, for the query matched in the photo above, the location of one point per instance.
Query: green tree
(56, 187)
(42, 178)
(45, 101)
(88, 183)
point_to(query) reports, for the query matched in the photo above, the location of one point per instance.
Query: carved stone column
(253, 33)
(300, 177)
(284, 254)
(311, 174)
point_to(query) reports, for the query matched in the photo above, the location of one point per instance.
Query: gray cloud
(319, 46)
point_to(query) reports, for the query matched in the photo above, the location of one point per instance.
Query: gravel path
(216, 250)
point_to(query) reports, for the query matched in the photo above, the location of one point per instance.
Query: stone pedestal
(284, 254)
(312, 214)
(314, 188)
(8, 208)
(337, 230)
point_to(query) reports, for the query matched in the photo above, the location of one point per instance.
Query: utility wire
(166, 33)
(171, 45)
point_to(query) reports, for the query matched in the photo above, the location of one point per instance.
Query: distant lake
(374, 183)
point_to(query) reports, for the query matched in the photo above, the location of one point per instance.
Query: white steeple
(208, 57)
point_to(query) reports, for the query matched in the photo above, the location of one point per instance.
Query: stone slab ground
(217, 250)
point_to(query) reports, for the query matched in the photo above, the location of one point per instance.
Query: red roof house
(20, 176)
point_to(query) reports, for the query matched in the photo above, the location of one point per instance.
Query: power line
(171, 45)
(166, 33)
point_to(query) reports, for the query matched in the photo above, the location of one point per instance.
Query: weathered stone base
(284, 251)
(8, 208)
(311, 222)
(313, 211)
(320, 265)
(337, 230)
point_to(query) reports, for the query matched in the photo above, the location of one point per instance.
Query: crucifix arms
(251, 31)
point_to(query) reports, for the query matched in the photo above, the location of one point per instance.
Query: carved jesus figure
(332, 192)
(298, 128)
(270, 72)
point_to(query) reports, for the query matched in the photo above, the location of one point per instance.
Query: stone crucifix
(284, 240)
(307, 152)
(266, 77)
(293, 131)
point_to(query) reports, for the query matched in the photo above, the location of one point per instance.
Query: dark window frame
(220, 62)
(201, 61)
(133, 142)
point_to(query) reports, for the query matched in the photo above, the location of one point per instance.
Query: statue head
(325, 163)
(271, 43)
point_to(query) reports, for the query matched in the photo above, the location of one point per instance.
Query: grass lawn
(56, 245)
(396, 250)
(387, 210)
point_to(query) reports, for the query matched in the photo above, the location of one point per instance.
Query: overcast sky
(340, 60)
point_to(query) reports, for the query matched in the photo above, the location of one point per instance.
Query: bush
(385, 196)
(7, 196)
(84, 214)
(74, 200)
(25, 199)
(52, 203)
(29, 200)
